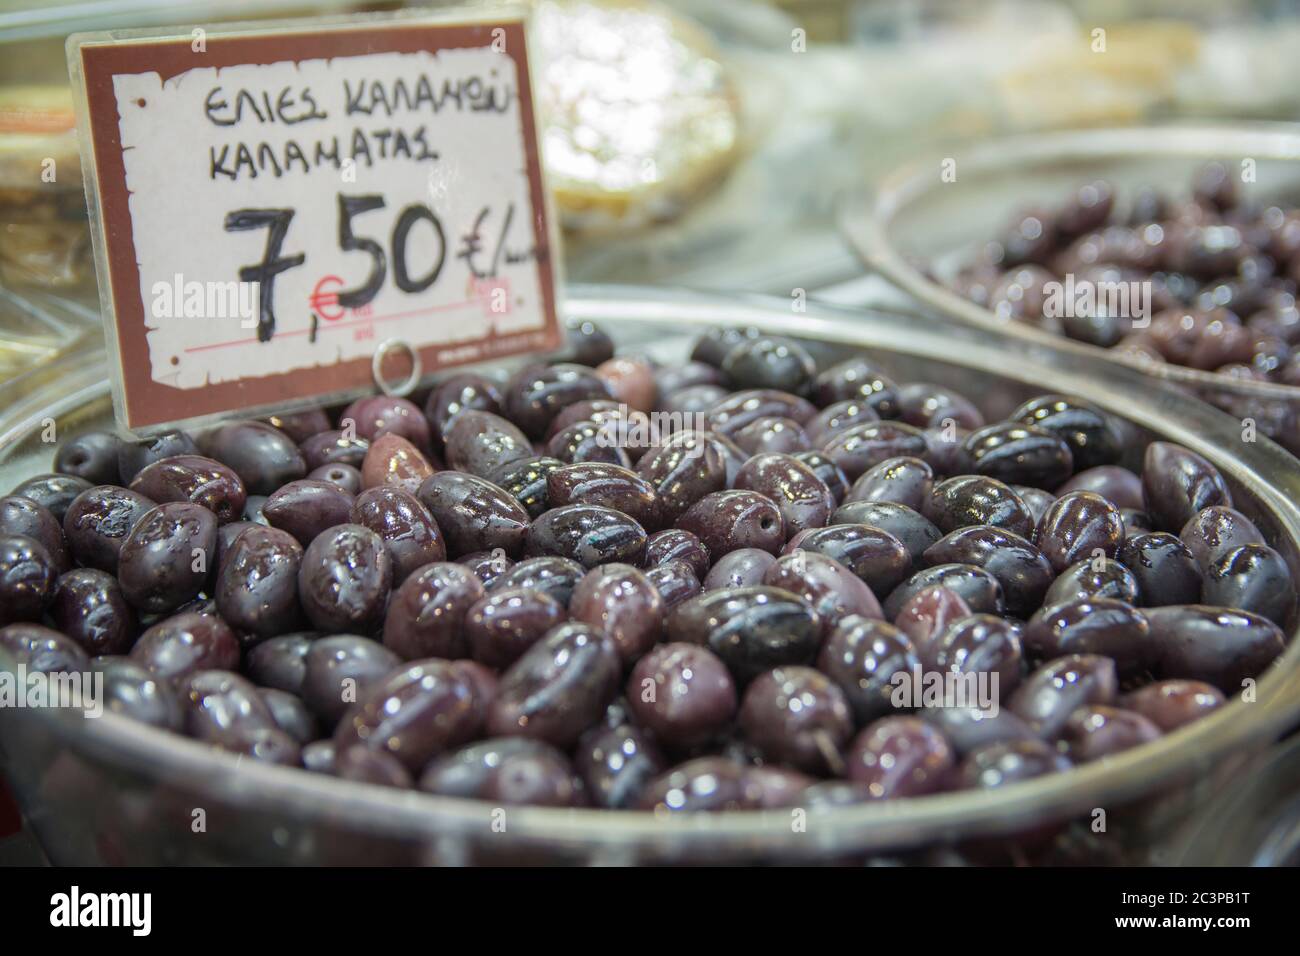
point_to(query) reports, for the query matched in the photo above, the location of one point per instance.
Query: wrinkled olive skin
(90, 608)
(474, 514)
(25, 517)
(1076, 527)
(981, 643)
(426, 616)
(975, 500)
(92, 455)
(875, 556)
(861, 656)
(339, 670)
(414, 714)
(535, 394)
(257, 585)
(1094, 732)
(281, 662)
(900, 757)
(768, 362)
(28, 577)
(863, 447)
(1098, 626)
(1170, 704)
(752, 629)
(334, 447)
(795, 715)
(527, 481)
(136, 692)
(607, 485)
(54, 492)
(1086, 429)
(185, 643)
(194, 478)
(907, 481)
(457, 394)
(1251, 578)
(802, 498)
(1213, 532)
(481, 443)
(1094, 580)
(506, 771)
(410, 534)
(1212, 644)
(168, 557)
(1003, 764)
(134, 456)
(306, 508)
(1164, 568)
(856, 378)
(98, 521)
(738, 569)
(558, 687)
(915, 531)
(829, 587)
(974, 585)
(616, 763)
(1047, 697)
(344, 579)
(553, 575)
(1121, 487)
(379, 415)
(685, 468)
(1019, 567)
(588, 534)
(739, 409)
(726, 521)
(42, 650)
(1177, 483)
(620, 602)
(261, 455)
(1020, 454)
(501, 626)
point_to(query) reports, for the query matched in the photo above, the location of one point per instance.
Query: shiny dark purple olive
(306, 508)
(334, 447)
(588, 441)
(675, 581)
(22, 516)
(1214, 531)
(414, 714)
(136, 692)
(344, 476)
(682, 693)
(261, 455)
(1097, 731)
(739, 569)
(1164, 568)
(377, 415)
(553, 575)
(487, 566)
(558, 688)
(53, 492)
(772, 436)
(1217, 645)
(752, 629)
(972, 728)
(526, 481)
(702, 785)
(862, 656)
(362, 765)
(739, 409)
(1086, 429)
(837, 418)
(1079, 525)
(619, 601)
(1102, 578)
(877, 557)
(168, 557)
(1048, 696)
(1177, 483)
(344, 579)
(291, 714)
(506, 771)
(501, 626)
(482, 443)
(1121, 487)
(536, 393)
(926, 616)
(974, 500)
(467, 390)
(1136, 522)
(685, 468)
(900, 757)
(410, 534)
(300, 426)
(1020, 454)
(768, 362)
(831, 475)
(831, 589)
(729, 520)
(90, 608)
(692, 400)
(1000, 765)
(930, 406)
(674, 544)
(712, 347)
(426, 617)
(980, 644)
(28, 577)
(1099, 626)
(185, 643)
(91, 455)
(257, 585)
(863, 447)
(194, 478)
(1170, 704)
(616, 763)
(42, 650)
(223, 709)
(1019, 567)
(1251, 578)
(608, 485)
(339, 670)
(281, 662)
(800, 496)
(134, 456)
(474, 514)
(974, 585)
(588, 534)
(98, 521)
(856, 379)
(912, 529)
(906, 481)
(797, 716)
(674, 378)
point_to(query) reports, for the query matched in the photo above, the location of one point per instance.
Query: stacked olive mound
(1222, 274)
(520, 593)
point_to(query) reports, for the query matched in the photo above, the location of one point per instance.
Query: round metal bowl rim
(413, 814)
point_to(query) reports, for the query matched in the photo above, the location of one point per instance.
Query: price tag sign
(272, 205)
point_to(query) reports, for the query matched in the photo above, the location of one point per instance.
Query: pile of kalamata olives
(516, 592)
(1221, 270)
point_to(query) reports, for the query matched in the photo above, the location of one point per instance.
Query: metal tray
(113, 791)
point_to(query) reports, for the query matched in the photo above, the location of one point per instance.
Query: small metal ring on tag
(386, 348)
